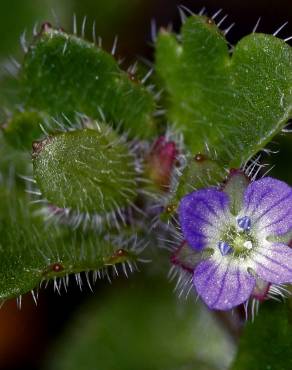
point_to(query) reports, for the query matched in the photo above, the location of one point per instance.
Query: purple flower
(243, 233)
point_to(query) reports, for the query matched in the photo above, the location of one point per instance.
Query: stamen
(247, 244)
(244, 223)
(224, 248)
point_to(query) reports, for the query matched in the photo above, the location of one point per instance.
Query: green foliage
(32, 252)
(142, 326)
(63, 74)
(85, 170)
(100, 164)
(267, 343)
(235, 101)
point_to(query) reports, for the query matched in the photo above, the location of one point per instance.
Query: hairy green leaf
(31, 252)
(85, 170)
(63, 74)
(234, 101)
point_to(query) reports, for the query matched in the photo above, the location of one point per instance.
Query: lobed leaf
(234, 101)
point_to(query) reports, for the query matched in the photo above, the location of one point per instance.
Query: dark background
(27, 335)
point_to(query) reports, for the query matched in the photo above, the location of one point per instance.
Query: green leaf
(142, 326)
(85, 170)
(233, 101)
(266, 344)
(63, 74)
(31, 252)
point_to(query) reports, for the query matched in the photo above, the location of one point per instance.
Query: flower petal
(201, 215)
(268, 202)
(222, 285)
(274, 263)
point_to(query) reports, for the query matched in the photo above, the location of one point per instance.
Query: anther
(224, 248)
(244, 223)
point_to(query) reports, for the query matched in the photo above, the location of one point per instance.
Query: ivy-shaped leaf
(234, 101)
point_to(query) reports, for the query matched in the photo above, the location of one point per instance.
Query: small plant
(124, 162)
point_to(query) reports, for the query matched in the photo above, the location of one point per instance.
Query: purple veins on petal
(224, 248)
(244, 223)
(225, 282)
(200, 215)
(223, 285)
(274, 263)
(268, 202)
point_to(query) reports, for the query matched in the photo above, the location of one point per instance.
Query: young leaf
(63, 74)
(85, 170)
(234, 103)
